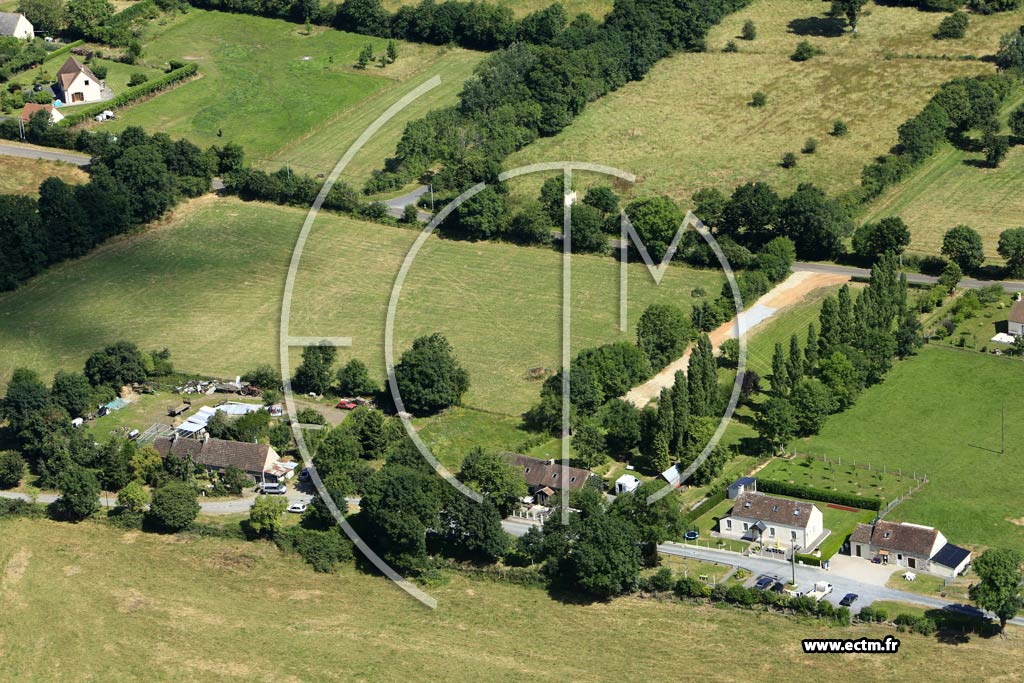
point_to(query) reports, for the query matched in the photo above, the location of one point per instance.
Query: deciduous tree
(999, 587)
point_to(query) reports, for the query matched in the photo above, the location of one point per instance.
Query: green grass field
(90, 602)
(687, 125)
(939, 414)
(23, 176)
(841, 478)
(208, 284)
(266, 84)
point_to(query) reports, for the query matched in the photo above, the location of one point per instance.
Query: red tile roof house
(256, 460)
(31, 108)
(913, 546)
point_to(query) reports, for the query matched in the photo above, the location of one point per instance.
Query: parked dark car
(778, 587)
(764, 583)
(849, 599)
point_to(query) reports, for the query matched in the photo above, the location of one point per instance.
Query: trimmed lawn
(842, 478)
(841, 523)
(686, 567)
(934, 586)
(939, 414)
(688, 125)
(23, 176)
(452, 434)
(136, 606)
(955, 187)
(708, 522)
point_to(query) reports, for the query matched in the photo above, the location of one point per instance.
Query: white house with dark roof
(773, 521)
(917, 547)
(76, 84)
(15, 25)
(1015, 321)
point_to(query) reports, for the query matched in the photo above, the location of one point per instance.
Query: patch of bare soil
(791, 291)
(13, 572)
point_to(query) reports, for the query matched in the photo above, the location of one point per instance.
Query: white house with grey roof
(773, 521)
(13, 24)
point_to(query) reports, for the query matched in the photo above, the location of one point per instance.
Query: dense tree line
(539, 84)
(39, 416)
(852, 347)
(133, 180)
(961, 105)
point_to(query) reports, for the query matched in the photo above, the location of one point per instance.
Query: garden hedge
(784, 488)
(131, 95)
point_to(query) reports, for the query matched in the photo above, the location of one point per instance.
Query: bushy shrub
(953, 26)
(758, 99)
(804, 51)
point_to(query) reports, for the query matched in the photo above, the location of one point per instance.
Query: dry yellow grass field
(23, 176)
(596, 8)
(207, 282)
(688, 124)
(955, 187)
(87, 602)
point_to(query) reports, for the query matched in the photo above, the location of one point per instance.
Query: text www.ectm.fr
(861, 645)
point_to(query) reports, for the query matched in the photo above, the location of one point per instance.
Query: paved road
(396, 206)
(806, 575)
(30, 152)
(913, 278)
(230, 506)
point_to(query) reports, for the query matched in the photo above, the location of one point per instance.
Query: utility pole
(795, 549)
(431, 197)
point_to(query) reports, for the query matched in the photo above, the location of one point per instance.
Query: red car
(345, 404)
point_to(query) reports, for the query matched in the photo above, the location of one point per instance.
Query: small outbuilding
(740, 486)
(627, 483)
(16, 25)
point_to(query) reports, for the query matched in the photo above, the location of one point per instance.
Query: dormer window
(888, 534)
(527, 470)
(572, 479)
(554, 476)
(796, 513)
(775, 508)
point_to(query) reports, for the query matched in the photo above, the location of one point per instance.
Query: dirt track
(792, 290)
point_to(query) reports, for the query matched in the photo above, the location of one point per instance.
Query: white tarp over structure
(671, 475)
(1003, 338)
(627, 483)
(197, 422)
